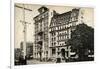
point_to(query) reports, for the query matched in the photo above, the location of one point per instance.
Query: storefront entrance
(63, 52)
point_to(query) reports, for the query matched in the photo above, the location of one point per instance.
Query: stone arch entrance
(63, 52)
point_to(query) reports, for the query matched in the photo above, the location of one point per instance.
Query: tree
(82, 40)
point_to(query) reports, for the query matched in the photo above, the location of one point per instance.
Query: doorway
(63, 52)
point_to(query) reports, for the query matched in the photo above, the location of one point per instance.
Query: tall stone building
(60, 31)
(42, 22)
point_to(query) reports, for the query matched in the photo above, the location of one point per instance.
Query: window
(54, 38)
(54, 33)
(54, 43)
(53, 51)
(46, 52)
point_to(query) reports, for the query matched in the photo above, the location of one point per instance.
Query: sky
(29, 15)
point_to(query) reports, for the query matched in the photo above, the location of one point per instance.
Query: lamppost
(25, 28)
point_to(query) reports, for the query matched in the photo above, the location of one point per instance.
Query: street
(33, 61)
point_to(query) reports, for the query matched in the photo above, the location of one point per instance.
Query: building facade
(61, 27)
(52, 30)
(42, 34)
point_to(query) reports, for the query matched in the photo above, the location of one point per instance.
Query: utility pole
(25, 28)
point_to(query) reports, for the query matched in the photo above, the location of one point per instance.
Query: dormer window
(43, 9)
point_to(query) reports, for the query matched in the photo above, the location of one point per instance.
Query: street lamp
(25, 28)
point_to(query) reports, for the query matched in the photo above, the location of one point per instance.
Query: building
(42, 22)
(29, 49)
(60, 31)
(17, 53)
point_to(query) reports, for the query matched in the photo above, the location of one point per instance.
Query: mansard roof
(59, 16)
(63, 15)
